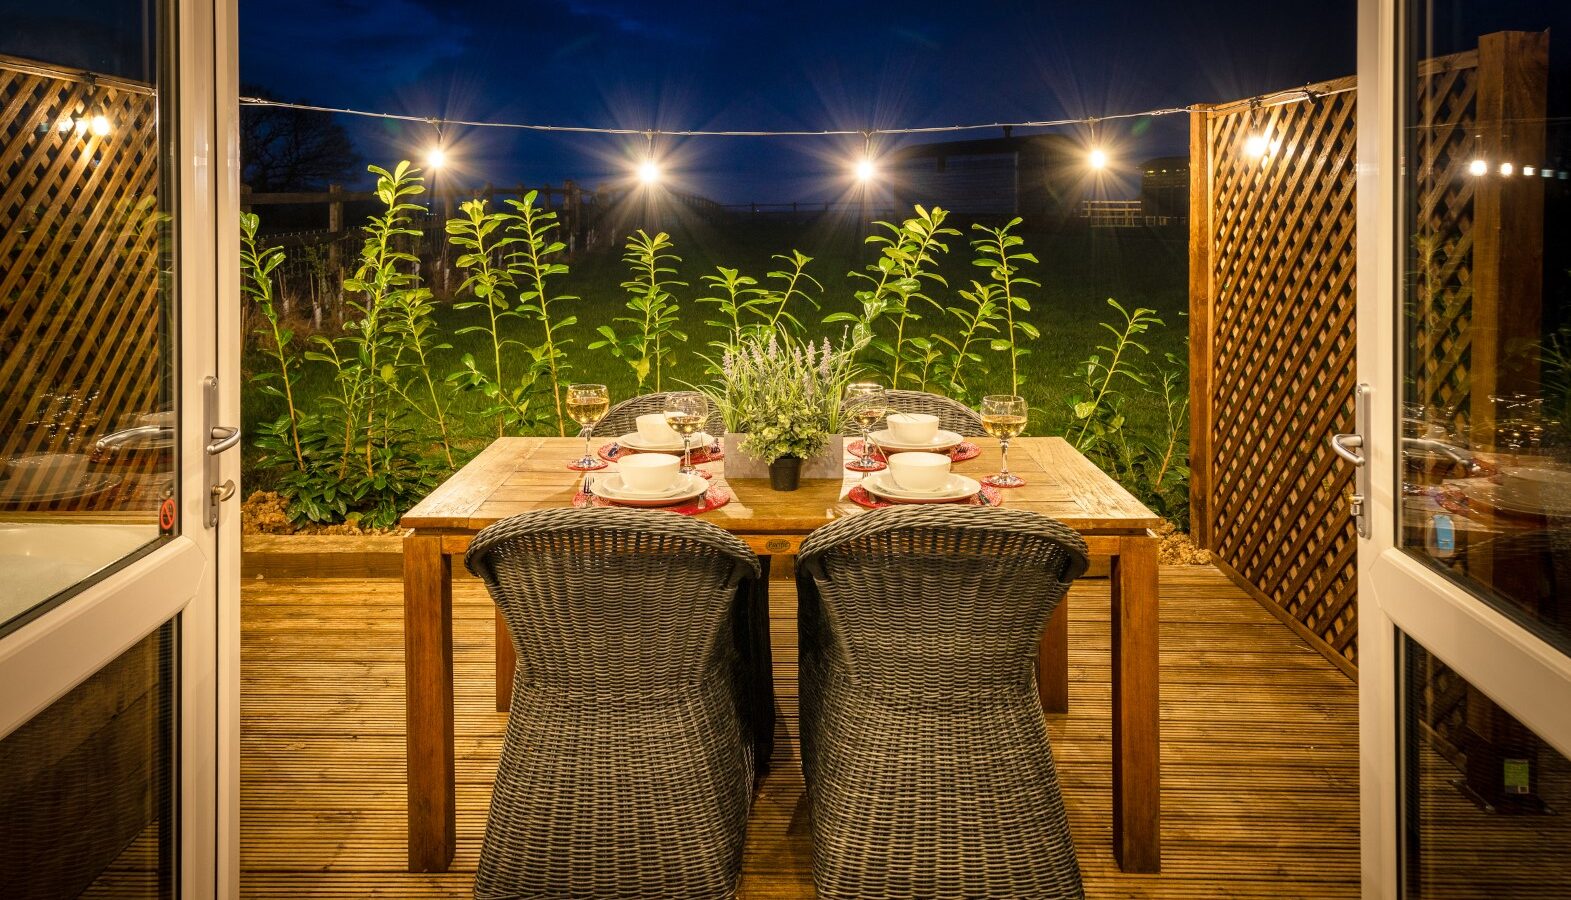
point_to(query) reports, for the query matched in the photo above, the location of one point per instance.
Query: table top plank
(516, 475)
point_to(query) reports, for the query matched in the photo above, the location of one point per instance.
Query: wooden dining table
(521, 474)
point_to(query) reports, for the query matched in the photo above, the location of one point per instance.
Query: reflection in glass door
(87, 416)
(1483, 459)
(97, 745)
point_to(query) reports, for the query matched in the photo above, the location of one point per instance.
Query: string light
(1478, 167)
(1098, 159)
(648, 171)
(436, 156)
(866, 167)
(1507, 169)
(99, 125)
(1257, 145)
(1276, 98)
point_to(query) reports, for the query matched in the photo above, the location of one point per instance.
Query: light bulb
(648, 171)
(1507, 169)
(1257, 145)
(865, 170)
(1528, 171)
(66, 124)
(99, 125)
(1477, 167)
(1099, 159)
(436, 158)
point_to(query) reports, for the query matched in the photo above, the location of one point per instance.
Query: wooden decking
(1259, 745)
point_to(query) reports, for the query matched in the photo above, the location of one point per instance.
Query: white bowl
(920, 471)
(654, 429)
(649, 472)
(913, 428)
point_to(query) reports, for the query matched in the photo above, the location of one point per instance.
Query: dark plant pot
(785, 473)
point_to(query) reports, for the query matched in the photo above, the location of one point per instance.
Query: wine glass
(587, 404)
(1004, 417)
(686, 412)
(866, 402)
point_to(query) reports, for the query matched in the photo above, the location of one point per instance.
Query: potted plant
(781, 401)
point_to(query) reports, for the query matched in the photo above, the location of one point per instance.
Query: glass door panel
(1486, 392)
(88, 422)
(1487, 802)
(88, 801)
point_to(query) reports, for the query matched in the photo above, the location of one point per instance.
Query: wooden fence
(1272, 320)
(82, 242)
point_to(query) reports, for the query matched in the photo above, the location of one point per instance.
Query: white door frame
(1518, 670)
(196, 574)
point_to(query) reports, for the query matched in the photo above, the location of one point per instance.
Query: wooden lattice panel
(1272, 302)
(81, 246)
(1280, 233)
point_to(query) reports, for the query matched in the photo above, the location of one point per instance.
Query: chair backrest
(623, 417)
(952, 414)
(612, 600)
(935, 600)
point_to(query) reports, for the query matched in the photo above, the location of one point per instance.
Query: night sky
(793, 65)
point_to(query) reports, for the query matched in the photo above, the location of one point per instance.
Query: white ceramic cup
(919, 471)
(649, 473)
(652, 427)
(913, 428)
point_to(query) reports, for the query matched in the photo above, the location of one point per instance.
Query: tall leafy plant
(648, 346)
(999, 251)
(1097, 409)
(477, 233)
(907, 261)
(536, 260)
(280, 439)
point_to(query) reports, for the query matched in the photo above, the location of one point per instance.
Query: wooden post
(1200, 301)
(572, 215)
(1508, 223)
(335, 252)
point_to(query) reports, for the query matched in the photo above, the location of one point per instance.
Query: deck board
(1259, 744)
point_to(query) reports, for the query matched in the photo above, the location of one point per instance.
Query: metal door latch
(1350, 446)
(219, 439)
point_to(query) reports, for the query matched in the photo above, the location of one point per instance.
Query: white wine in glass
(587, 404)
(1004, 417)
(686, 412)
(866, 402)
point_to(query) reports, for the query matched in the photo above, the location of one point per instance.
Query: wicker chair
(623, 417)
(923, 742)
(641, 702)
(952, 414)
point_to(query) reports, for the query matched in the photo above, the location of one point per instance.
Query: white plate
(610, 487)
(635, 441)
(958, 487)
(17, 490)
(1491, 495)
(943, 440)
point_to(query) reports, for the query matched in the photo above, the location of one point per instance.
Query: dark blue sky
(806, 64)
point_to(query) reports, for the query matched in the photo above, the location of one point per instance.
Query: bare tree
(292, 149)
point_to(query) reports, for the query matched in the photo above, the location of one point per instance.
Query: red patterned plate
(960, 453)
(614, 451)
(861, 496)
(714, 498)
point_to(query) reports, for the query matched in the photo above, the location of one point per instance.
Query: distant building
(1164, 186)
(1035, 177)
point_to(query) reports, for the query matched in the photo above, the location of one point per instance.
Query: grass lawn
(1080, 269)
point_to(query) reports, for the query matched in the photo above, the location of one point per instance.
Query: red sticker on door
(166, 516)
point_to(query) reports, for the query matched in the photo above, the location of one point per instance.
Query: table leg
(506, 661)
(428, 701)
(1052, 661)
(1137, 764)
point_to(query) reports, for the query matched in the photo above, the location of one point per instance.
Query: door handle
(1350, 446)
(223, 437)
(219, 439)
(1344, 445)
